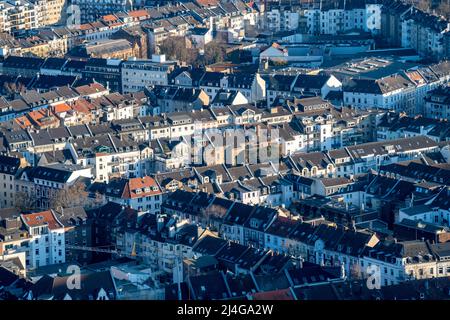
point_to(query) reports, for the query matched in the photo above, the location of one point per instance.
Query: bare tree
(10, 88)
(444, 9)
(175, 48)
(214, 52)
(24, 201)
(73, 196)
(423, 5)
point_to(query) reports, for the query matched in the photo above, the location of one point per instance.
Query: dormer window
(254, 223)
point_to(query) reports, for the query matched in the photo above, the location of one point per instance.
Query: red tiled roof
(63, 107)
(82, 105)
(41, 219)
(138, 13)
(23, 122)
(90, 89)
(109, 17)
(85, 26)
(207, 3)
(136, 188)
(38, 116)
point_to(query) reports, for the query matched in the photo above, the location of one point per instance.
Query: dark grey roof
(9, 165)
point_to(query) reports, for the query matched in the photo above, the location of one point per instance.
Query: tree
(423, 5)
(444, 9)
(175, 49)
(214, 53)
(75, 195)
(10, 88)
(24, 201)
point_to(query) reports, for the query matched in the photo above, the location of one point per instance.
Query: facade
(105, 71)
(140, 74)
(437, 104)
(47, 239)
(43, 183)
(9, 167)
(391, 93)
(142, 194)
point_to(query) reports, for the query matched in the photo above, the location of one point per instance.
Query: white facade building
(47, 242)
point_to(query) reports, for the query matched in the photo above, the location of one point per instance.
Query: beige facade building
(53, 10)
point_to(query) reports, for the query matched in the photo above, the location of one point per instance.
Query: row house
(339, 17)
(20, 16)
(47, 239)
(358, 159)
(437, 104)
(160, 241)
(140, 74)
(9, 167)
(285, 86)
(372, 155)
(90, 12)
(434, 211)
(168, 99)
(39, 109)
(281, 19)
(42, 183)
(107, 221)
(324, 244)
(396, 262)
(252, 86)
(394, 92)
(110, 156)
(264, 228)
(14, 238)
(79, 232)
(170, 155)
(392, 126)
(424, 33)
(142, 194)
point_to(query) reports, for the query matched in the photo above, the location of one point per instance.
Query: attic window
(254, 223)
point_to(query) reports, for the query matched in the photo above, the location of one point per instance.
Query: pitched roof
(41, 219)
